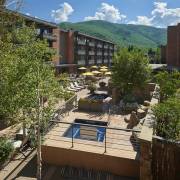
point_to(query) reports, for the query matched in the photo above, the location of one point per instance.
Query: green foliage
(169, 83)
(130, 70)
(168, 119)
(63, 79)
(24, 69)
(121, 34)
(91, 87)
(6, 148)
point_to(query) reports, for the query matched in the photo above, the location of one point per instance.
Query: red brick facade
(173, 47)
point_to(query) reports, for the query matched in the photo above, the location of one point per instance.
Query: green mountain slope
(121, 34)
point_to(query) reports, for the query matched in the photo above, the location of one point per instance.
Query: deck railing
(112, 136)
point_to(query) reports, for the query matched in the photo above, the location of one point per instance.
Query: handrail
(91, 125)
(107, 142)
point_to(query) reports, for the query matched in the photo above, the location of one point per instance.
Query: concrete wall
(99, 162)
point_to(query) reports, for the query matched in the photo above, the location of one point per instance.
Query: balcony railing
(106, 53)
(91, 61)
(81, 62)
(105, 60)
(81, 42)
(99, 45)
(91, 53)
(99, 53)
(105, 46)
(99, 61)
(81, 52)
(50, 36)
(91, 44)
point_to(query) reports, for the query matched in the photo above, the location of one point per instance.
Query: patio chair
(78, 86)
(73, 87)
(20, 145)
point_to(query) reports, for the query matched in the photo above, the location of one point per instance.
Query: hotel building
(73, 49)
(171, 52)
(78, 49)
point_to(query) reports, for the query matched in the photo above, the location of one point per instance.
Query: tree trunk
(39, 159)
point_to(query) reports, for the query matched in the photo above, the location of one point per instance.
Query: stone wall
(146, 140)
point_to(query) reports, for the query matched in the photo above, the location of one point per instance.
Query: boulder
(145, 108)
(146, 103)
(133, 121)
(141, 113)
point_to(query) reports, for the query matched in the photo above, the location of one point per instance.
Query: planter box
(88, 105)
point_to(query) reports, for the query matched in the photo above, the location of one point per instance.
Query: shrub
(168, 119)
(129, 98)
(92, 87)
(169, 83)
(130, 70)
(6, 148)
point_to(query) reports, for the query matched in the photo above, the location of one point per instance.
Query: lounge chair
(20, 145)
(73, 87)
(78, 86)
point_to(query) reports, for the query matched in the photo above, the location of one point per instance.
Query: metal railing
(62, 110)
(114, 138)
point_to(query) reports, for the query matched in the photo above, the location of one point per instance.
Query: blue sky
(159, 13)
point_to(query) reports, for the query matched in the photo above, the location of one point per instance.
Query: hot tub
(87, 130)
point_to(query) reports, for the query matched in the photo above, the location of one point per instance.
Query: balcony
(81, 52)
(99, 45)
(91, 61)
(99, 61)
(81, 42)
(49, 36)
(105, 46)
(105, 53)
(111, 47)
(91, 53)
(99, 53)
(105, 60)
(91, 44)
(81, 62)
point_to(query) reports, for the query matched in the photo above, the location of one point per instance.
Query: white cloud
(142, 20)
(62, 14)
(161, 16)
(28, 14)
(107, 12)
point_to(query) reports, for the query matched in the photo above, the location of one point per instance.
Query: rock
(133, 121)
(136, 135)
(145, 108)
(141, 113)
(146, 103)
(126, 120)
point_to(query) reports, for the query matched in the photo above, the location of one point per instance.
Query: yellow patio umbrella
(96, 72)
(103, 70)
(94, 67)
(108, 73)
(82, 68)
(88, 74)
(104, 67)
